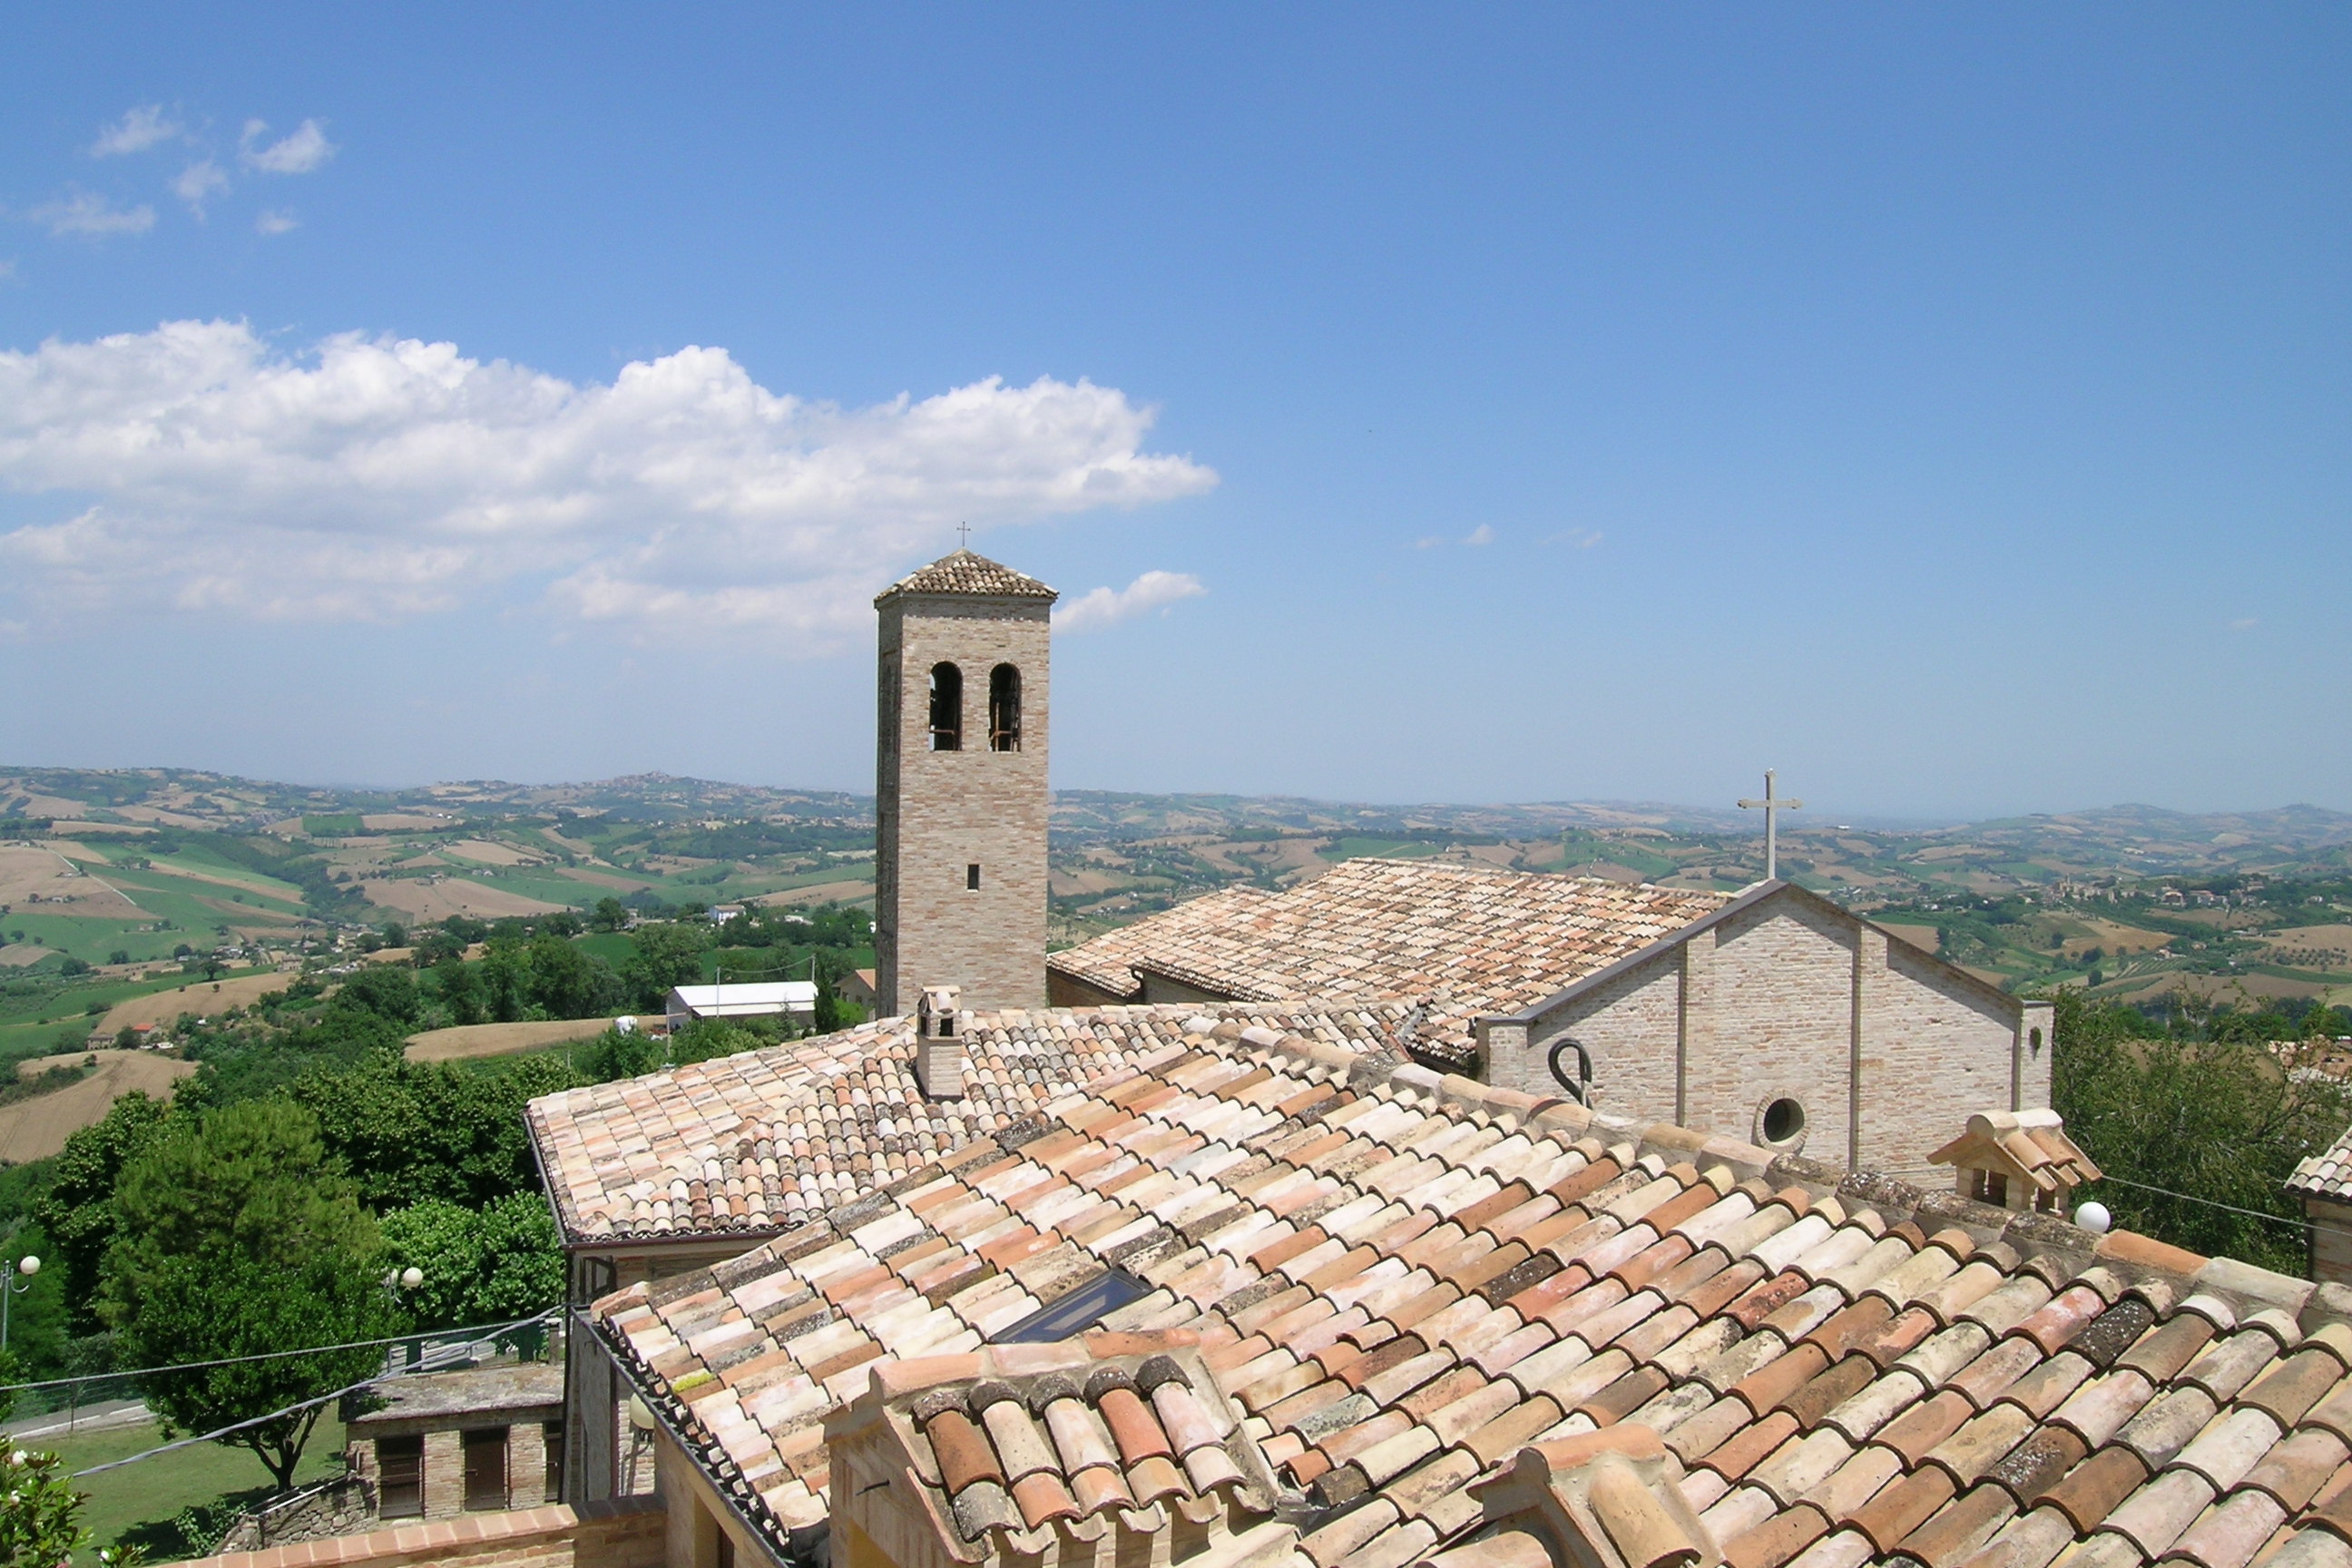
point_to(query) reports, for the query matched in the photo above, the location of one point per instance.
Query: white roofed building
(794, 999)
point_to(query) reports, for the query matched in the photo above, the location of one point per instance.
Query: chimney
(939, 1044)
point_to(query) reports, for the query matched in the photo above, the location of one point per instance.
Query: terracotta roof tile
(1458, 940)
(965, 572)
(1846, 1390)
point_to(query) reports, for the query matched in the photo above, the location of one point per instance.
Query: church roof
(964, 572)
(750, 1144)
(1403, 1282)
(1462, 941)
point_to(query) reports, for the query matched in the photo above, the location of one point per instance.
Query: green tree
(220, 1306)
(461, 989)
(492, 1266)
(77, 1212)
(40, 1514)
(2223, 1121)
(610, 914)
(566, 983)
(667, 956)
(238, 1234)
(406, 1130)
(386, 990)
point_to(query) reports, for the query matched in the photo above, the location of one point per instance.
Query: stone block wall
(1888, 1050)
(940, 812)
(625, 1534)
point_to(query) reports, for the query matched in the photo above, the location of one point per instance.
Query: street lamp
(400, 1280)
(11, 1285)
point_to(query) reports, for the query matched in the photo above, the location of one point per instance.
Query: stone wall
(939, 813)
(1886, 1050)
(629, 1533)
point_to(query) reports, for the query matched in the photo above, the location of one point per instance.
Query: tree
(77, 1212)
(566, 983)
(461, 989)
(610, 914)
(219, 1306)
(386, 990)
(2223, 1121)
(237, 1235)
(494, 1265)
(406, 1130)
(667, 956)
(40, 1514)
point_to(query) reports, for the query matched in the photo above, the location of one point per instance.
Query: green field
(141, 1500)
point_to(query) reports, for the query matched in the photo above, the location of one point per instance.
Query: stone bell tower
(960, 796)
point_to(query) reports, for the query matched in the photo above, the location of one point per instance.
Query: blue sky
(1945, 405)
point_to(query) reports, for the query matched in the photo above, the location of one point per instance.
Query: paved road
(105, 1416)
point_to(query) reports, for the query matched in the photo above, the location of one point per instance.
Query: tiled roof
(1463, 940)
(1013, 1439)
(2328, 1173)
(751, 1144)
(965, 573)
(1403, 1280)
(2029, 1146)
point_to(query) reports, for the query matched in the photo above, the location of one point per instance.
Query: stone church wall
(1763, 1006)
(1782, 1017)
(1934, 1053)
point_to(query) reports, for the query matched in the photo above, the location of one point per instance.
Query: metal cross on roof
(1774, 806)
(963, 533)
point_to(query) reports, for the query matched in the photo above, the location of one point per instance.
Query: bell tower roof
(963, 572)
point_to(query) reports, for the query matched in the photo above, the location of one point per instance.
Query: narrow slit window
(972, 876)
(946, 707)
(554, 1449)
(1004, 709)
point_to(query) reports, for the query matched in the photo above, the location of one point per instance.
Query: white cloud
(375, 478)
(2245, 624)
(1108, 607)
(1582, 538)
(199, 182)
(298, 154)
(88, 213)
(1482, 534)
(138, 130)
(278, 222)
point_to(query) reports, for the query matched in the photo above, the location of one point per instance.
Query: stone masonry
(940, 814)
(1786, 997)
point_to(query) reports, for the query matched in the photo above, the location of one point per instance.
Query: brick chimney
(939, 1044)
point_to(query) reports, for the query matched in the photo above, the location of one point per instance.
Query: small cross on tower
(963, 534)
(1774, 806)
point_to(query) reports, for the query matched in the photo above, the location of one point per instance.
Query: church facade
(1772, 1015)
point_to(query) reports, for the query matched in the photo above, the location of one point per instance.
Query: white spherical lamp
(412, 1277)
(2093, 1216)
(31, 1265)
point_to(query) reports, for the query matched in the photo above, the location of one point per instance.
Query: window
(1988, 1187)
(972, 876)
(1784, 1121)
(946, 707)
(1004, 709)
(486, 1467)
(555, 1440)
(2033, 1039)
(400, 1477)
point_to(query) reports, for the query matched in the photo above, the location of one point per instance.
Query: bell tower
(959, 792)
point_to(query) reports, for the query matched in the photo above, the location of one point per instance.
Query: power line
(478, 1331)
(220, 1432)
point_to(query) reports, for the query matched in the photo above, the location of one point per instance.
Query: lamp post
(12, 1285)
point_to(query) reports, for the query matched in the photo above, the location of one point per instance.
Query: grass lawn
(143, 1500)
